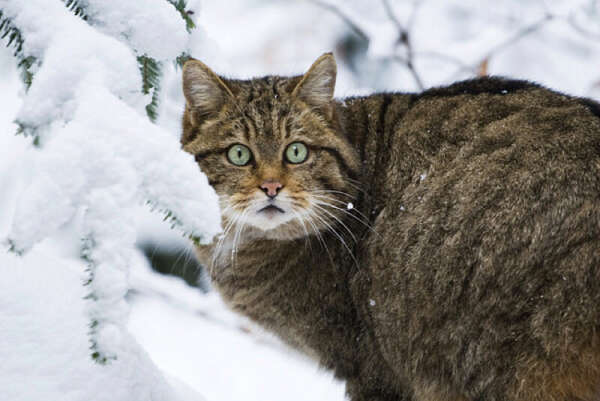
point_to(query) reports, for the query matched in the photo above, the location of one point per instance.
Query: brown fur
(478, 277)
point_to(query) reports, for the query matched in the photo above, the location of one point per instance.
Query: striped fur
(467, 266)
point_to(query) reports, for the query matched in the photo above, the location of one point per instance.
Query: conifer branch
(181, 6)
(87, 246)
(181, 59)
(76, 8)
(151, 71)
(25, 65)
(173, 220)
(15, 39)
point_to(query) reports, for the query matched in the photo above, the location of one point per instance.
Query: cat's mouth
(271, 209)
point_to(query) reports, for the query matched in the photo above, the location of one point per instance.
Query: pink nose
(271, 188)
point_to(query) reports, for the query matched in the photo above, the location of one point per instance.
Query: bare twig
(511, 40)
(392, 17)
(335, 10)
(581, 30)
(451, 59)
(413, 15)
(520, 34)
(404, 39)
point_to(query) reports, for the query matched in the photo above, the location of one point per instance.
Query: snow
(143, 24)
(194, 337)
(45, 346)
(99, 158)
(100, 161)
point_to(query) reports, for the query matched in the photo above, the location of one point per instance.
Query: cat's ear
(317, 85)
(204, 91)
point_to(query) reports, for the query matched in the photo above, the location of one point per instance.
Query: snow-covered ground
(194, 338)
(179, 343)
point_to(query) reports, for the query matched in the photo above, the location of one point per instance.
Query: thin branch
(392, 16)
(520, 34)
(413, 15)
(451, 59)
(415, 74)
(582, 31)
(335, 10)
(404, 38)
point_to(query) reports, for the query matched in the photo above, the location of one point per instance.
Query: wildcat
(443, 245)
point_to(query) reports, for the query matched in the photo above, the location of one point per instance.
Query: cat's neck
(234, 251)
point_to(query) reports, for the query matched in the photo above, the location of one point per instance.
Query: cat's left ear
(317, 85)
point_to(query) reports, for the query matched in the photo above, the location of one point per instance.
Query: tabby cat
(436, 246)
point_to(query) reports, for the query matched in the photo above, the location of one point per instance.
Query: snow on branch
(99, 156)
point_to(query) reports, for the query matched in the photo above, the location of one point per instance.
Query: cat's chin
(270, 218)
(274, 227)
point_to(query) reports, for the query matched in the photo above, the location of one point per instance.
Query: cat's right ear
(204, 91)
(317, 85)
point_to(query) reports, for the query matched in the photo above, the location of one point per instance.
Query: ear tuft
(317, 85)
(204, 91)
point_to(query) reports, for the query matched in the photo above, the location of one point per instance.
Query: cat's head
(271, 147)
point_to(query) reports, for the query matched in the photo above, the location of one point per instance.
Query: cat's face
(271, 148)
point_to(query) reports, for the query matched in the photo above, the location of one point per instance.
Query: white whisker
(318, 234)
(320, 201)
(333, 231)
(301, 220)
(316, 204)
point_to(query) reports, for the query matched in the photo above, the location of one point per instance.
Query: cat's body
(479, 276)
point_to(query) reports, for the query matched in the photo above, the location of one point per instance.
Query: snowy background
(82, 314)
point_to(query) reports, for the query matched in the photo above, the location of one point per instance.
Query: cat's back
(488, 240)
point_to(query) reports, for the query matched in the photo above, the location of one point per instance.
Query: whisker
(217, 251)
(236, 237)
(336, 218)
(318, 234)
(355, 186)
(301, 220)
(331, 191)
(346, 211)
(332, 230)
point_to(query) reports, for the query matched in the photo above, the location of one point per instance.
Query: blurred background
(380, 45)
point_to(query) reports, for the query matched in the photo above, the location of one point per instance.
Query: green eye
(239, 155)
(296, 152)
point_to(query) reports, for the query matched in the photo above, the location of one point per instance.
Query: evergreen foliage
(76, 7)
(91, 248)
(181, 6)
(151, 75)
(87, 247)
(150, 69)
(14, 38)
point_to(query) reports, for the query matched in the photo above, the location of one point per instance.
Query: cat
(442, 245)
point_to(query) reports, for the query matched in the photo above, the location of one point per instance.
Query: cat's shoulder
(499, 85)
(482, 85)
